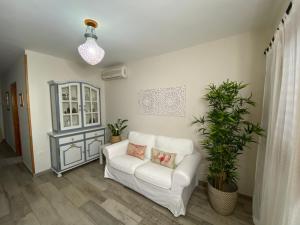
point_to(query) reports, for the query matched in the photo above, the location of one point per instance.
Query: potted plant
(226, 131)
(116, 130)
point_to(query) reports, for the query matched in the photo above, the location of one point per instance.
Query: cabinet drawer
(70, 139)
(94, 134)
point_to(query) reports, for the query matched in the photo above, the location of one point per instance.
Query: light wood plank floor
(83, 197)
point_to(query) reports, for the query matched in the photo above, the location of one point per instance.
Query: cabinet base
(59, 173)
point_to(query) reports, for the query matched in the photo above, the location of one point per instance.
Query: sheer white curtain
(276, 198)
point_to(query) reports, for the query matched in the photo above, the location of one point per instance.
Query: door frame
(29, 113)
(15, 118)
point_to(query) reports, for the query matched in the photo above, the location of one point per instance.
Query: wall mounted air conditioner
(114, 72)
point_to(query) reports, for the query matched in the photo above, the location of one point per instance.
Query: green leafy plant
(226, 131)
(117, 127)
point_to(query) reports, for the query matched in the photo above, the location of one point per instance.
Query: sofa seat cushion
(126, 163)
(155, 174)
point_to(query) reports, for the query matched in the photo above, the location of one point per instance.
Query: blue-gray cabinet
(77, 136)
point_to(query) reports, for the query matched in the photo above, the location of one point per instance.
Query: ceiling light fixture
(90, 51)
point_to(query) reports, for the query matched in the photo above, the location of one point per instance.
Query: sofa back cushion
(142, 139)
(181, 147)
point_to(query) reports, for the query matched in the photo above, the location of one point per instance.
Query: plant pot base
(115, 139)
(223, 203)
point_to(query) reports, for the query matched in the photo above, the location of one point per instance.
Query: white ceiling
(131, 29)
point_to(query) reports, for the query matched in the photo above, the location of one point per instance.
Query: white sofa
(170, 188)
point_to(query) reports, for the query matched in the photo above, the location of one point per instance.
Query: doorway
(15, 117)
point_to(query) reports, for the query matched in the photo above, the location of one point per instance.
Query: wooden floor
(7, 155)
(83, 197)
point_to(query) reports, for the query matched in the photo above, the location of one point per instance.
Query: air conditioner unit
(115, 72)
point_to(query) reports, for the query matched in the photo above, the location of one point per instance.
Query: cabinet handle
(72, 139)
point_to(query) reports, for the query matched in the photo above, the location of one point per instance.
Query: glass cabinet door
(91, 108)
(70, 106)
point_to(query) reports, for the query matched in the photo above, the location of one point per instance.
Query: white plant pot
(223, 203)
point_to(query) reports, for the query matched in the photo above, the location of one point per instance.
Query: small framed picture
(21, 100)
(7, 103)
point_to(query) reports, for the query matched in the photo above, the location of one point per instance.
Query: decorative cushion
(126, 163)
(143, 139)
(136, 150)
(155, 174)
(181, 147)
(163, 158)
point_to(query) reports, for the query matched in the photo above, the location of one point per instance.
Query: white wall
(16, 73)
(237, 58)
(41, 69)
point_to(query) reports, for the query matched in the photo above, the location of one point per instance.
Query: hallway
(7, 155)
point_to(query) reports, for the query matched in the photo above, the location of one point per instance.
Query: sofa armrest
(116, 149)
(186, 170)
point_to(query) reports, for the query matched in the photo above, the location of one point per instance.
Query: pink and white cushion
(182, 147)
(143, 139)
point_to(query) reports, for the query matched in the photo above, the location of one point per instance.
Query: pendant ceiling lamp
(90, 51)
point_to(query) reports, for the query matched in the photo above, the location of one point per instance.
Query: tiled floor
(83, 197)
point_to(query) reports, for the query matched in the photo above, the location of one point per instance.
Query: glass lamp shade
(91, 52)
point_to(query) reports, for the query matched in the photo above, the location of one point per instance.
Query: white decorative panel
(148, 102)
(162, 101)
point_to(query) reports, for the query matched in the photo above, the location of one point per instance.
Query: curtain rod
(287, 12)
